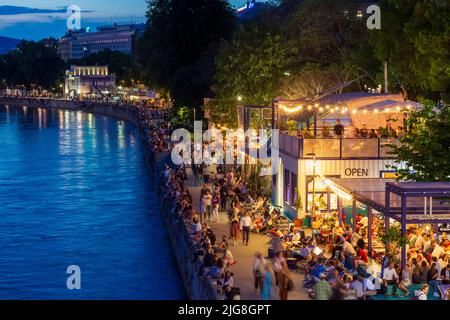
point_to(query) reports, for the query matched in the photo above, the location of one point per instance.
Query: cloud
(43, 18)
(14, 10)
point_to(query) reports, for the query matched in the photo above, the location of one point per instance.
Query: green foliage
(291, 125)
(415, 37)
(32, 63)
(394, 239)
(424, 153)
(173, 50)
(298, 204)
(250, 65)
(256, 185)
(326, 31)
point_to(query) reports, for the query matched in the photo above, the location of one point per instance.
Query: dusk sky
(36, 26)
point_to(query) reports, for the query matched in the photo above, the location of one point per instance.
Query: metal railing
(335, 148)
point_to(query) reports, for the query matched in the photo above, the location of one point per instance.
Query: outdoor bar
(408, 203)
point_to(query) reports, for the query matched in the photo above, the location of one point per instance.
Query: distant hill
(8, 44)
(11, 10)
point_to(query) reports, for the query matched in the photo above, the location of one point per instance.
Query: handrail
(336, 148)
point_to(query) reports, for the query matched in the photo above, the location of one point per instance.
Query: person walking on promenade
(215, 208)
(200, 174)
(258, 270)
(245, 224)
(279, 260)
(202, 193)
(207, 205)
(195, 174)
(223, 196)
(285, 283)
(234, 229)
(267, 284)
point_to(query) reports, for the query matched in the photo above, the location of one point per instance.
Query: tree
(414, 37)
(424, 150)
(178, 33)
(325, 31)
(250, 67)
(32, 63)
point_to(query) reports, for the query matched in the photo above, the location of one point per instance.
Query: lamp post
(313, 155)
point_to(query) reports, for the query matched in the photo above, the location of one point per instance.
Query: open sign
(356, 172)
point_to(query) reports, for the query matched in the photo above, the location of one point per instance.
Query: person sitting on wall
(390, 277)
(361, 256)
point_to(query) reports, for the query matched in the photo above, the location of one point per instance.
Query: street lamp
(313, 155)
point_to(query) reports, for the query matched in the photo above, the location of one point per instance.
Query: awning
(372, 192)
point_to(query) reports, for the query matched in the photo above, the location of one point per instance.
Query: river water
(74, 190)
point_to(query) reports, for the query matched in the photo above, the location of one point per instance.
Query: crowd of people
(341, 276)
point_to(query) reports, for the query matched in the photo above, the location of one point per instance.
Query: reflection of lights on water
(121, 134)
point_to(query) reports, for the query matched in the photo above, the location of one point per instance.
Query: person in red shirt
(361, 258)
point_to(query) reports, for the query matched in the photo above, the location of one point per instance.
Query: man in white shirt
(438, 251)
(420, 242)
(390, 277)
(245, 224)
(348, 249)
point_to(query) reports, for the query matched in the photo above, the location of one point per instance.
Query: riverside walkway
(243, 277)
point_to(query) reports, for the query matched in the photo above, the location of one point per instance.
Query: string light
(291, 110)
(336, 108)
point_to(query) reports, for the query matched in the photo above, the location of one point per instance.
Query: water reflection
(74, 189)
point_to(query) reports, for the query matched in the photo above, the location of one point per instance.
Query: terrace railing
(334, 148)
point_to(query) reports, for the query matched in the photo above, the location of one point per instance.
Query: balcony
(329, 148)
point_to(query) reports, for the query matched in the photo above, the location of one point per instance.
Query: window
(287, 185)
(294, 184)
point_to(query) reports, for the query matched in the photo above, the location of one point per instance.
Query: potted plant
(394, 240)
(291, 126)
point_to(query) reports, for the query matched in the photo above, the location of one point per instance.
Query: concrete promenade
(243, 277)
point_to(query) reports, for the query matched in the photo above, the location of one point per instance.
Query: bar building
(311, 154)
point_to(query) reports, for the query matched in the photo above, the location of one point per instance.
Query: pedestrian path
(243, 277)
